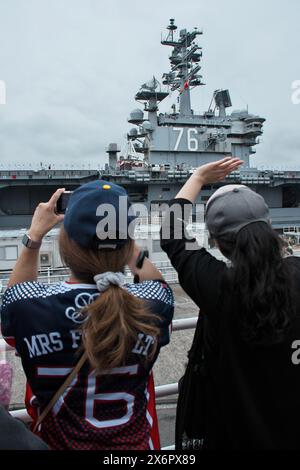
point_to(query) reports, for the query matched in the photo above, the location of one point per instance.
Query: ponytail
(262, 282)
(116, 318)
(111, 330)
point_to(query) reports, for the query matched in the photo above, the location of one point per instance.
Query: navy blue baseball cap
(232, 208)
(99, 216)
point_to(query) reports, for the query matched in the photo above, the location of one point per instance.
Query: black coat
(14, 435)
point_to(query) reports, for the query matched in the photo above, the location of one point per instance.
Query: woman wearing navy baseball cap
(88, 345)
(250, 346)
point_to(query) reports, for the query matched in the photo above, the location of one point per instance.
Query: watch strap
(29, 243)
(140, 259)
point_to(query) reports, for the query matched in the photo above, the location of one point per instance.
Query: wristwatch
(140, 259)
(29, 243)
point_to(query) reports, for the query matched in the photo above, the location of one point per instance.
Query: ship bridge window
(166, 189)
(8, 253)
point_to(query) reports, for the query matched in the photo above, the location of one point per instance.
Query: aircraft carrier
(161, 151)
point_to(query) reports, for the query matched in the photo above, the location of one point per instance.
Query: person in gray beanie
(250, 308)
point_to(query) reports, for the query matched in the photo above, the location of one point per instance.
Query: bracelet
(29, 243)
(140, 259)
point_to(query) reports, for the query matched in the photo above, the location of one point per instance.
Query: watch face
(25, 240)
(30, 243)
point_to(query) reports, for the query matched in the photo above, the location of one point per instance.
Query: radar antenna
(185, 59)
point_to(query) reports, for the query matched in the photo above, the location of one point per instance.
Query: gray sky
(72, 68)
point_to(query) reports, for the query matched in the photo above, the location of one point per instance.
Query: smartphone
(62, 202)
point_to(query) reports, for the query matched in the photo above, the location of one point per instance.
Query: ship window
(166, 189)
(8, 253)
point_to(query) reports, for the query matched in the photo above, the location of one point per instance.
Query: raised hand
(208, 174)
(217, 171)
(45, 217)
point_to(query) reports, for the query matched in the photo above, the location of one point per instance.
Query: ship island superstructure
(163, 149)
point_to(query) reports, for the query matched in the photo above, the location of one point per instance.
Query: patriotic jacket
(114, 410)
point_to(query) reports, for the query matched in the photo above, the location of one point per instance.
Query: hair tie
(105, 280)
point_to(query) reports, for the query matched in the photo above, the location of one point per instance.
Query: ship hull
(19, 197)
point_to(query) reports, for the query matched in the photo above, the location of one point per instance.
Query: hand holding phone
(62, 202)
(45, 217)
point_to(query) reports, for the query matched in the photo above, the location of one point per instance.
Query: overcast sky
(72, 68)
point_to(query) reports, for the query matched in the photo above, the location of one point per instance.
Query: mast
(185, 58)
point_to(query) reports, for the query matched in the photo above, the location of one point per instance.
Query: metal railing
(160, 392)
(177, 325)
(52, 276)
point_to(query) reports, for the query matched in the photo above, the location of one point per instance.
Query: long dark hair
(261, 281)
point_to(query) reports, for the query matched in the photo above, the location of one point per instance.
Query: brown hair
(116, 317)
